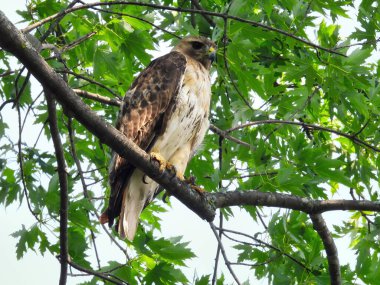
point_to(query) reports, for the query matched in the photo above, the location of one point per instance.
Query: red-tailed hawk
(165, 112)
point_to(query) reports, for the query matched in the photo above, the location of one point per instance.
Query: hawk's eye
(196, 45)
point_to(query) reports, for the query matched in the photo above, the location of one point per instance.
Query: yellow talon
(200, 190)
(160, 159)
(180, 176)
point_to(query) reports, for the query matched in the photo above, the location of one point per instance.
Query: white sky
(36, 269)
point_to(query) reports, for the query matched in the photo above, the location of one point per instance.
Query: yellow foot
(160, 159)
(173, 170)
(191, 182)
(200, 190)
(180, 176)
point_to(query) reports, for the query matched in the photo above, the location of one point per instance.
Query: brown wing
(142, 118)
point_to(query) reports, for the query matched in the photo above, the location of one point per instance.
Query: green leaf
(27, 240)
(164, 273)
(171, 250)
(358, 56)
(204, 280)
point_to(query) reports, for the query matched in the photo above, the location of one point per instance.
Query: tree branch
(225, 135)
(97, 274)
(330, 248)
(97, 97)
(62, 175)
(178, 9)
(228, 264)
(353, 137)
(205, 16)
(15, 42)
(204, 205)
(90, 80)
(21, 163)
(220, 185)
(135, 17)
(286, 201)
(264, 244)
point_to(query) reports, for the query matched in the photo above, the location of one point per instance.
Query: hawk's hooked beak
(211, 54)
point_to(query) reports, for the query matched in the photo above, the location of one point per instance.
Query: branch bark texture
(62, 176)
(330, 248)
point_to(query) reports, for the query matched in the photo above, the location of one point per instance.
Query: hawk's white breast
(189, 121)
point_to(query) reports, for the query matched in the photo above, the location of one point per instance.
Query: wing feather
(142, 118)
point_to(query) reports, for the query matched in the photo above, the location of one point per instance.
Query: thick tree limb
(13, 41)
(330, 248)
(257, 198)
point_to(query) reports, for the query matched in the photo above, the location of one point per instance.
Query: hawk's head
(198, 48)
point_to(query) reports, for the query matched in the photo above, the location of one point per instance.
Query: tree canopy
(294, 133)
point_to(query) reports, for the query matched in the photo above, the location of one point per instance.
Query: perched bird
(165, 112)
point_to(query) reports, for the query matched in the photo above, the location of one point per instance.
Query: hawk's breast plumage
(165, 111)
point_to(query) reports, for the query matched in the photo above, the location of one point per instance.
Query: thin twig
(97, 274)
(353, 138)
(205, 16)
(137, 18)
(220, 154)
(183, 10)
(40, 133)
(228, 264)
(84, 186)
(224, 134)
(97, 97)
(226, 65)
(6, 73)
(23, 86)
(29, 109)
(6, 102)
(365, 216)
(359, 44)
(269, 173)
(58, 18)
(77, 42)
(89, 80)
(252, 264)
(301, 108)
(263, 243)
(21, 164)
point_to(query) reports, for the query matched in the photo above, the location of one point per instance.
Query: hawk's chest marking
(189, 120)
